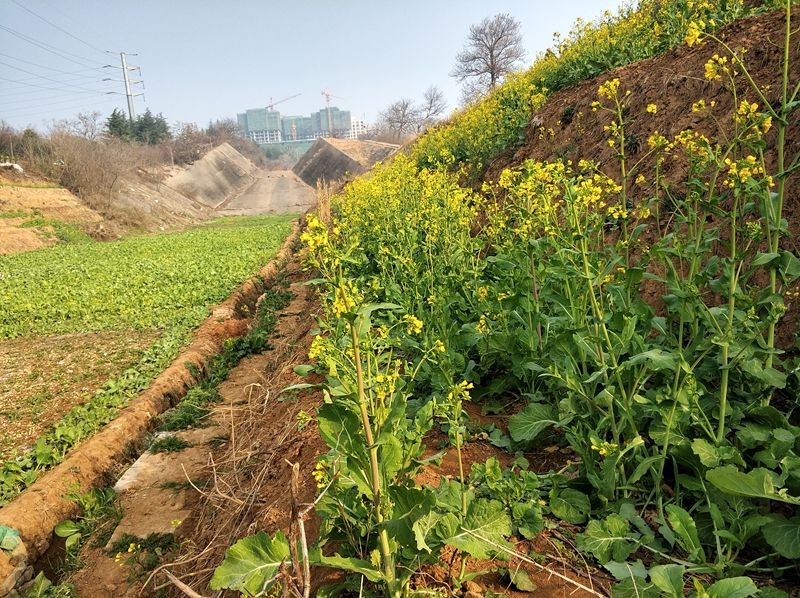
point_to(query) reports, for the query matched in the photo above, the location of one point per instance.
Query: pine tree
(118, 125)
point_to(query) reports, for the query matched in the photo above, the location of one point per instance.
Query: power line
(52, 88)
(49, 68)
(48, 48)
(42, 77)
(40, 17)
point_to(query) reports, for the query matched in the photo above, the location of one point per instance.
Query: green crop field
(149, 291)
(144, 282)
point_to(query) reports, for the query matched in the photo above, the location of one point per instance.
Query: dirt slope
(24, 200)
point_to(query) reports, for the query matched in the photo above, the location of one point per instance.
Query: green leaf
(339, 427)
(73, 541)
(522, 581)
(570, 505)
(685, 531)
(668, 579)
(250, 562)
(410, 506)
(353, 565)
(303, 370)
(635, 587)
(483, 532)
(733, 587)
(40, 587)
(9, 538)
(656, 359)
(529, 423)
(762, 259)
(66, 529)
(626, 570)
(758, 483)
(607, 540)
(790, 266)
(784, 536)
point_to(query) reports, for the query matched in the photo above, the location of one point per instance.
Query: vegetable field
(153, 289)
(163, 281)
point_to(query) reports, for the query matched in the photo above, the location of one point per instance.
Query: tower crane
(271, 105)
(328, 95)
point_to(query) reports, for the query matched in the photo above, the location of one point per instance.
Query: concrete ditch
(36, 512)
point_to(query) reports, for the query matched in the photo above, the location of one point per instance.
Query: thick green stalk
(383, 537)
(776, 218)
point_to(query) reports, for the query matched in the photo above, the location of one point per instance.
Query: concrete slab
(273, 192)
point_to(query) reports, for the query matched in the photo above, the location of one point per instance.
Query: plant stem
(383, 536)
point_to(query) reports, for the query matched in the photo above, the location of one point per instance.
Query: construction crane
(328, 95)
(271, 105)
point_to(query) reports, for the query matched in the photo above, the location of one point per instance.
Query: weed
(177, 486)
(142, 555)
(168, 444)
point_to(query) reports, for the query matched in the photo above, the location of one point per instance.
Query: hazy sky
(202, 60)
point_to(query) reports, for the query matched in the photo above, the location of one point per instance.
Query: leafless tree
(399, 119)
(432, 108)
(405, 118)
(493, 49)
(85, 124)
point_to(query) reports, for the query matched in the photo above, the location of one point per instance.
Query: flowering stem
(383, 536)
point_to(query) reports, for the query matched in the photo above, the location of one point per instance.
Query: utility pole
(127, 81)
(127, 85)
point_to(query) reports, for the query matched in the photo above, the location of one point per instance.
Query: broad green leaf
(353, 565)
(626, 570)
(758, 483)
(784, 536)
(250, 562)
(668, 579)
(635, 587)
(528, 519)
(529, 423)
(521, 580)
(303, 370)
(733, 587)
(483, 532)
(66, 528)
(40, 587)
(790, 265)
(607, 540)
(423, 530)
(570, 505)
(706, 452)
(762, 259)
(73, 541)
(656, 359)
(9, 538)
(685, 530)
(339, 427)
(410, 505)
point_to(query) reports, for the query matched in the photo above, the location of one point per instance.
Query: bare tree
(399, 119)
(85, 124)
(432, 108)
(493, 49)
